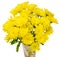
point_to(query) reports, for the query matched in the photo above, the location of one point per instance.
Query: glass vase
(27, 51)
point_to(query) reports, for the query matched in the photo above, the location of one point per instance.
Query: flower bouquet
(30, 26)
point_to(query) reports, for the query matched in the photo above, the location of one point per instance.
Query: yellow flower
(53, 20)
(45, 22)
(23, 32)
(49, 31)
(28, 39)
(41, 38)
(29, 26)
(39, 11)
(24, 5)
(35, 20)
(39, 29)
(16, 10)
(34, 47)
(31, 6)
(19, 8)
(25, 13)
(13, 32)
(48, 13)
(7, 38)
(8, 25)
(20, 20)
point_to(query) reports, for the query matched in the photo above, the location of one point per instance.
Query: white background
(51, 47)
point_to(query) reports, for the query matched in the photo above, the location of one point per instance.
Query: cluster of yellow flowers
(29, 24)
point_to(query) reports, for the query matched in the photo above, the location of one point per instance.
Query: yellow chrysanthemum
(31, 7)
(39, 12)
(20, 20)
(25, 13)
(24, 5)
(45, 22)
(29, 25)
(23, 32)
(39, 29)
(28, 39)
(41, 38)
(49, 31)
(7, 38)
(13, 32)
(8, 25)
(48, 13)
(35, 20)
(34, 47)
(19, 8)
(53, 20)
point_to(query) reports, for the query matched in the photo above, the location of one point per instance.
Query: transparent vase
(27, 52)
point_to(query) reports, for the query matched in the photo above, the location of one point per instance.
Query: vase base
(27, 52)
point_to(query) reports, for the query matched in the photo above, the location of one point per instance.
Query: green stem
(18, 45)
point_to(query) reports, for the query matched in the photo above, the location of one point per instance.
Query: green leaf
(14, 41)
(18, 45)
